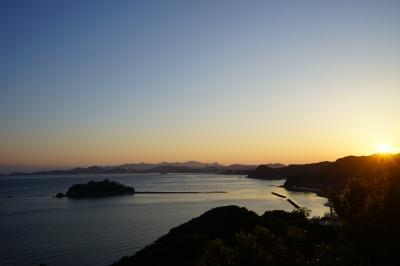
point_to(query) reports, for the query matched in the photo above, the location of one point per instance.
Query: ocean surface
(37, 228)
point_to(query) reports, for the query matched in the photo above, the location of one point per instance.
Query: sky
(109, 82)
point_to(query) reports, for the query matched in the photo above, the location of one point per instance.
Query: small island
(93, 189)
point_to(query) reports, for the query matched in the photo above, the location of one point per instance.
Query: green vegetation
(369, 211)
(364, 232)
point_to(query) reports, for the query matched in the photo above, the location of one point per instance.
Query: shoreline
(319, 192)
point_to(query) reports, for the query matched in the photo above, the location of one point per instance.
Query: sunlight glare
(384, 148)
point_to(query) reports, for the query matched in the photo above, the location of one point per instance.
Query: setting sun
(384, 148)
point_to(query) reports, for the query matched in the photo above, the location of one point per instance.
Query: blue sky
(86, 82)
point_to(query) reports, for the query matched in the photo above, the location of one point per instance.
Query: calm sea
(37, 228)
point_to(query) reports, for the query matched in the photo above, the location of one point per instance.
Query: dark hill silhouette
(332, 174)
(93, 189)
(185, 244)
(189, 243)
(265, 172)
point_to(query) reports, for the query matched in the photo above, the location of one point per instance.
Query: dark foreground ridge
(93, 189)
(232, 235)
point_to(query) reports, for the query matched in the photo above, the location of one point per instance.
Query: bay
(37, 228)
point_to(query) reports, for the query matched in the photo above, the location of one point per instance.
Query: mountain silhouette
(331, 174)
(164, 167)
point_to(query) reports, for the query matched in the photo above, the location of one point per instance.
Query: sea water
(37, 228)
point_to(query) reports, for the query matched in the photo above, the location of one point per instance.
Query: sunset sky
(109, 82)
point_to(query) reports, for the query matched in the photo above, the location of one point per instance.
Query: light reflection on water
(36, 228)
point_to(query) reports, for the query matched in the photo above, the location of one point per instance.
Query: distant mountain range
(313, 176)
(164, 167)
(6, 169)
(332, 174)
